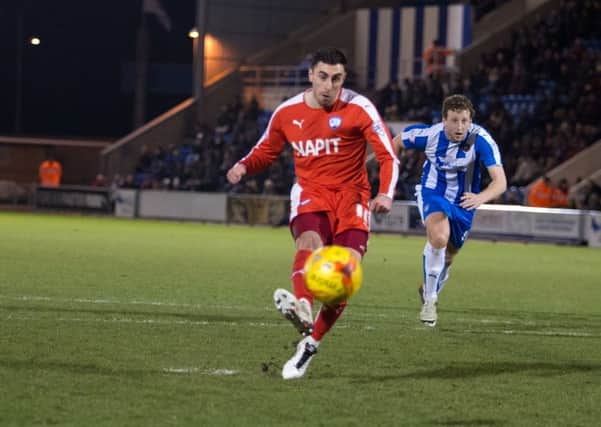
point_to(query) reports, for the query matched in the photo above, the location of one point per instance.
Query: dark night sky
(73, 82)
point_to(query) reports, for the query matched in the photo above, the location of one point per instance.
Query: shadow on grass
(192, 317)
(476, 370)
(503, 314)
(74, 368)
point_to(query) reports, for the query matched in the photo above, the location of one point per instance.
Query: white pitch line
(213, 372)
(355, 315)
(12, 317)
(281, 324)
(552, 333)
(141, 321)
(111, 320)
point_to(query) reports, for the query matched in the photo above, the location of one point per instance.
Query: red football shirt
(329, 146)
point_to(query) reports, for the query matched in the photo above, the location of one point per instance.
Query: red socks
(326, 318)
(298, 276)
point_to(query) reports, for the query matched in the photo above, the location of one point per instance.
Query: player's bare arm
(397, 144)
(235, 174)
(497, 186)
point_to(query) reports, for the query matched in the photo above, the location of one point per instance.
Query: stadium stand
(536, 95)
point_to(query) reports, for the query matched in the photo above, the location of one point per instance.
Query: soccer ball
(333, 274)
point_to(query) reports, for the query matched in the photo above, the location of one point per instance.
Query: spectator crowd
(538, 96)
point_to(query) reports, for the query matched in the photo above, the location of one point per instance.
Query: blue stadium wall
(389, 42)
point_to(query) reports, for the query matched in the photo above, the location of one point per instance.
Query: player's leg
(310, 226)
(437, 231)
(352, 214)
(444, 276)
(435, 211)
(310, 231)
(460, 222)
(352, 232)
(356, 241)
(450, 254)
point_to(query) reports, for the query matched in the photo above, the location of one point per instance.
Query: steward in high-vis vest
(50, 173)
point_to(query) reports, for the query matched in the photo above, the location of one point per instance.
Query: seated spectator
(559, 196)
(527, 169)
(589, 197)
(390, 101)
(512, 196)
(593, 201)
(99, 181)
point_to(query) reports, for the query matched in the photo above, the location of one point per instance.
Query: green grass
(143, 323)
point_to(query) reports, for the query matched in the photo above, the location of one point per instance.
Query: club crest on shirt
(335, 122)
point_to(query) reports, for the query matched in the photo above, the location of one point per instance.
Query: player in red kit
(327, 127)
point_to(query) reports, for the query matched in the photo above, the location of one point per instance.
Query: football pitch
(147, 323)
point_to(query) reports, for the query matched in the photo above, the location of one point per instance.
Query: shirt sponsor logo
(452, 163)
(316, 147)
(335, 122)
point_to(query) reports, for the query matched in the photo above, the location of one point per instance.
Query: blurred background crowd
(538, 96)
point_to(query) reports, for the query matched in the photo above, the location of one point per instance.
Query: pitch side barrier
(506, 222)
(77, 198)
(498, 222)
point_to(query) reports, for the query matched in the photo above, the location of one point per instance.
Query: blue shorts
(460, 220)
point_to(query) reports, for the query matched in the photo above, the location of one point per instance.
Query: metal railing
(274, 75)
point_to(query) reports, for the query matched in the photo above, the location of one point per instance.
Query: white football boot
(297, 365)
(298, 312)
(428, 314)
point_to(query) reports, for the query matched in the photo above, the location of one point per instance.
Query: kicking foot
(297, 365)
(298, 312)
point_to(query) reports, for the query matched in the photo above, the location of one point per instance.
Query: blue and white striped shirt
(452, 168)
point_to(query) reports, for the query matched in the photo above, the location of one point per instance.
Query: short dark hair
(457, 103)
(330, 56)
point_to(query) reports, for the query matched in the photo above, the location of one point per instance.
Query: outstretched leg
(310, 231)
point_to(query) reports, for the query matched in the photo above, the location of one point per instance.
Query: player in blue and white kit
(449, 191)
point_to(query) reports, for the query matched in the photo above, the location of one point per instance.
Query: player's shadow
(477, 370)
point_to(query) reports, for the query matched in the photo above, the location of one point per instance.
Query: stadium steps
(586, 165)
(494, 30)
